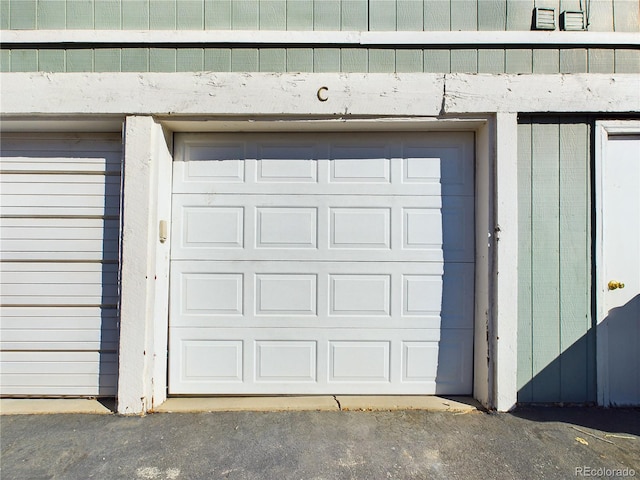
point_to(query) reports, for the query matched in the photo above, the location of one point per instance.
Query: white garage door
(322, 264)
(60, 204)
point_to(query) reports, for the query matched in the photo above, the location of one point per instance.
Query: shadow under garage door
(327, 263)
(60, 214)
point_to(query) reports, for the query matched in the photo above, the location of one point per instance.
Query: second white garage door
(322, 264)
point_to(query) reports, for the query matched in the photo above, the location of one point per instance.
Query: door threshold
(458, 404)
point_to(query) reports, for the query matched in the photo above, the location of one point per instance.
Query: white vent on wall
(544, 19)
(572, 20)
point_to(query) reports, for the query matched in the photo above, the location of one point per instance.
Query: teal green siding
(375, 15)
(556, 360)
(332, 59)
(618, 15)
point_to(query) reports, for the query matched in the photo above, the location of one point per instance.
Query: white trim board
(287, 94)
(320, 38)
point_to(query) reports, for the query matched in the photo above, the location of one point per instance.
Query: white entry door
(322, 264)
(619, 327)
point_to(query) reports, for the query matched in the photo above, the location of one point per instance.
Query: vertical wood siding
(604, 15)
(325, 59)
(556, 361)
(375, 15)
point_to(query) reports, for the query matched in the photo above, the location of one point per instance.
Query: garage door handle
(162, 231)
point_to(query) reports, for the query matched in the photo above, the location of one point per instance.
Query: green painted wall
(556, 340)
(605, 15)
(575, 60)
(374, 15)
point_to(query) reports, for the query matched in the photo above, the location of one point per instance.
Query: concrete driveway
(542, 443)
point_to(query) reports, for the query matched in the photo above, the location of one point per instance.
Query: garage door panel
(58, 373)
(60, 202)
(289, 361)
(322, 263)
(345, 294)
(59, 328)
(341, 164)
(323, 227)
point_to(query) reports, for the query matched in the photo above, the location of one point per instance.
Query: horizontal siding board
(43, 339)
(58, 373)
(84, 253)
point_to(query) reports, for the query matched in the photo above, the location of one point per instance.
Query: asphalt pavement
(531, 443)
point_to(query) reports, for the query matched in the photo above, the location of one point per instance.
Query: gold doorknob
(614, 285)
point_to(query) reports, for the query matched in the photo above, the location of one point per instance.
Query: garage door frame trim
(147, 200)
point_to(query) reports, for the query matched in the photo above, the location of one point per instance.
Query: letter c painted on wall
(323, 94)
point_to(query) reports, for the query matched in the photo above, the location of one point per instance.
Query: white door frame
(604, 130)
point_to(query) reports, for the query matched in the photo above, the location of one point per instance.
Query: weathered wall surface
(323, 15)
(556, 341)
(374, 15)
